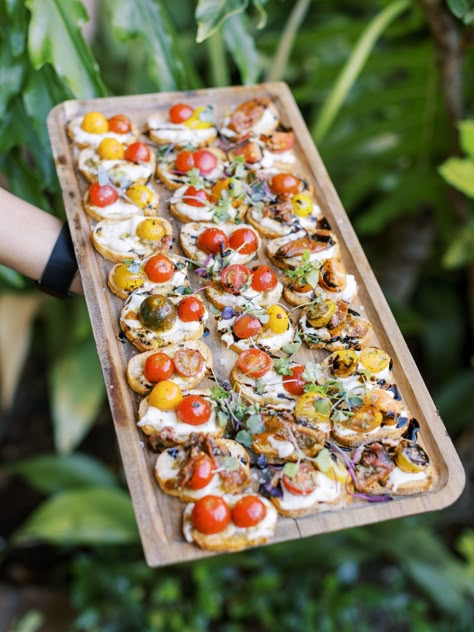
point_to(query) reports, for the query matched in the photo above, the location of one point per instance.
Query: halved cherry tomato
(212, 241)
(159, 269)
(202, 473)
(210, 514)
(158, 367)
(244, 240)
(248, 511)
(205, 161)
(190, 309)
(196, 197)
(263, 279)
(234, 277)
(165, 395)
(194, 410)
(303, 482)
(251, 151)
(137, 152)
(94, 123)
(110, 149)
(119, 124)
(254, 363)
(279, 141)
(285, 183)
(180, 112)
(101, 196)
(294, 383)
(184, 161)
(247, 326)
(188, 362)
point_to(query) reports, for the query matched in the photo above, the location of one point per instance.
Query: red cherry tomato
(158, 367)
(251, 151)
(137, 152)
(254, 363)
(119, 124)
(210, 514)
(285, 183)
(188, 362)
(159, 269)
(205, 161)
(248, 511)
(194, 410)
(212, 241)
(184, 160)
(263, 279)
(247, 326)
(196, 197)
(180, 112)
(202, 473)
(303, 482)
(101, 196)
(244, 240)
(234, 277)
(190, 309)
(294, 383)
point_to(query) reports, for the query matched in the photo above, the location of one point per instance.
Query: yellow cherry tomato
(410, 457)
(150, 229)
(332, 466)
(302, 205)
(140, 195)
(110, 149)
(320, 314)
(343, 362)
(374, 359)
(165, 395)
(194, 122)
(278, 321)
(127, 276)
(313, 407)
(95, 123)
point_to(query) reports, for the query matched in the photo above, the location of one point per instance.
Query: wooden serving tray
(158, 515)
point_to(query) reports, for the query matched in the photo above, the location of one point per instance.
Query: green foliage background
(364, 74)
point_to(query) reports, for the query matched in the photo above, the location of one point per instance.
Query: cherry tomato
(119, 124)
(263, 279)
(101, 196)
(137, 152)
(254, 363)
(194, 410)
(210, 514)
(251, 151)
(212, 241)
(202, 473)
(94, 123)
(285, 183)
(165, 395)
(151, 229)
(185, 161)
(159, 269)
(158, 367)
(303, 482)
(140, 195)
(248, 511)
(127, 276)
(110, 149)
(247, 326)
(234, 277)
(196, 197)
(190, 309)
(294, 383)
(179, 113)
(188, 362)
(205, 161)
(279, 141)
(244, 240)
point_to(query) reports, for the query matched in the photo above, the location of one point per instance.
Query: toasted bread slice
(163, 132)
(174, 179)
(268, 391)
(287, 252)
(353, 333)
(265, 339)
(83, 139)
(277, 219)
(248, 298)
(122, 173)
(123, 208)
(206, 213)
(255, 116)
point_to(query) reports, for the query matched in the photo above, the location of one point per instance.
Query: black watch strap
(61, 267)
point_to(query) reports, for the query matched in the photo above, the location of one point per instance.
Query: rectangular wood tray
(159, 516)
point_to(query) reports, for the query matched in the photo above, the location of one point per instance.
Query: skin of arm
(27, 237)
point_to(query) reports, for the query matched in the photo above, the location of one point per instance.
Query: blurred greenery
(365, 76)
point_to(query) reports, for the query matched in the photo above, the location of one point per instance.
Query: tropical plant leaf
(466, 133)
(461, 249)
(454, 400)
(459, 172)
(55, 38)
(88, 516)
(11, 75)
(210, 14)
(241, 45)
(463, 9)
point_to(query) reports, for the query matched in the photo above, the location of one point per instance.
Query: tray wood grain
(159, 516)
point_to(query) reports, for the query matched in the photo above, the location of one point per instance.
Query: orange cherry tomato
(244, 240)
(202, 473)
(188, 362)
(101, 196)
(294, 383)
(180, 112)
(205, 161)
(234, 277)
(254, 363)
(210, 514)
(159, 269)
(263, 279)
(196, 197)
(247, 326)
(194, 410)
(303, 482)
(137, 152)
(251, 151)
(248, 511)
(190, 309)
(158, 367)
(285, 183)
(185, 161)
(212, 241)
(119, 124)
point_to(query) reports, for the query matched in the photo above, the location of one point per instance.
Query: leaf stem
(219, 68)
